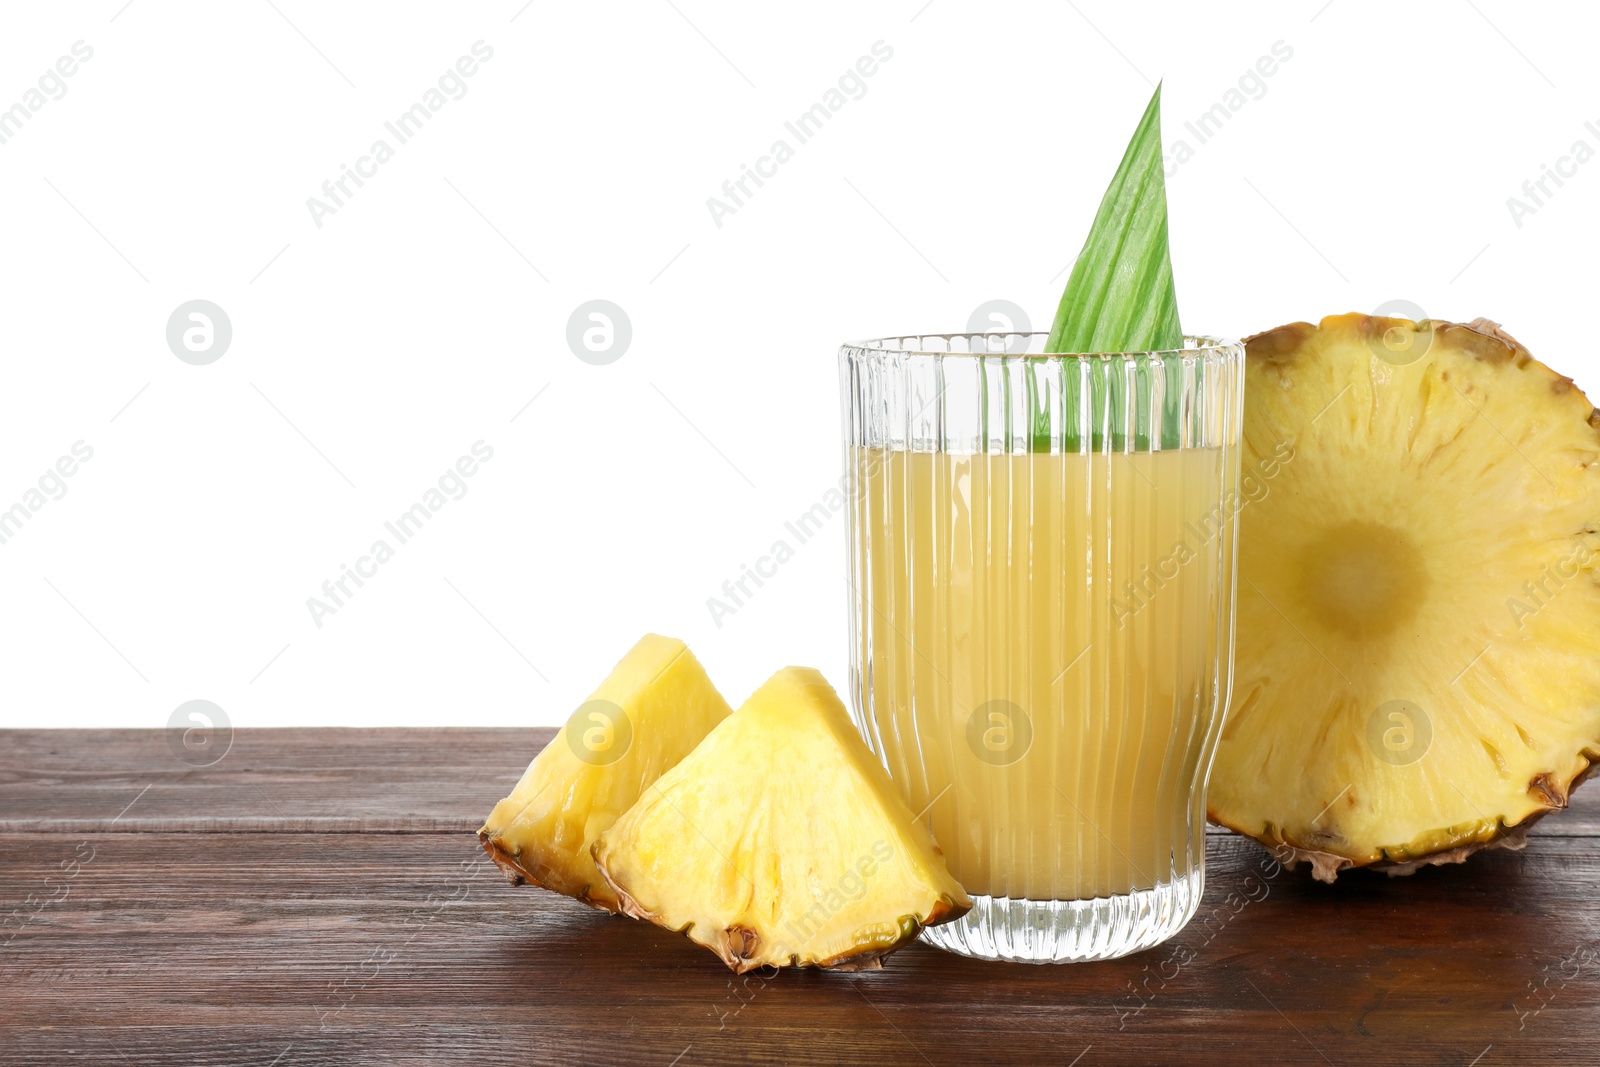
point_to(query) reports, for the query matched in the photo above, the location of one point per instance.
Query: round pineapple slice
(1417, 668)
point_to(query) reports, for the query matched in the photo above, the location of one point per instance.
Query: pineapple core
(781, 841)
(1417, 666)
(653, 708)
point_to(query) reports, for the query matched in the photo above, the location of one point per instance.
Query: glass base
(1071, 931)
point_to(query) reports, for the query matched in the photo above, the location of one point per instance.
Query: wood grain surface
(317, 897)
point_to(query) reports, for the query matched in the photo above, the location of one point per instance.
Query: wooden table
(318, 897)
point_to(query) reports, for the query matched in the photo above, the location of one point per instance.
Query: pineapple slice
(1417, 672)
(648, 714)
(781, 840)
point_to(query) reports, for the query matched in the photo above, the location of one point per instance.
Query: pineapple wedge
(653, 708)
(782, 841)
(1417, 673)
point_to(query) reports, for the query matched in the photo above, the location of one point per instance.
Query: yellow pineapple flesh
(1417, 668)
(782, 841)
(653, 708)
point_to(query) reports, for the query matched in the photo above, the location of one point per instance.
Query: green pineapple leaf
(1120, 297)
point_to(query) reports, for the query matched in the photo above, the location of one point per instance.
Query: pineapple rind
(1483, 460)
(542, 832)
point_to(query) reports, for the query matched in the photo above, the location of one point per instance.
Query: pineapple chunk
(1417, 672)
(781, 840)
(653, 708)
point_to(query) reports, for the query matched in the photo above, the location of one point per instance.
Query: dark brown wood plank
(314, 780)
(182, 948)
(327, 780)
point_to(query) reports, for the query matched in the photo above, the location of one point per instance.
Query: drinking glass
(1041, 577)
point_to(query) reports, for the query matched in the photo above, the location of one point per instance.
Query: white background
(368, 354)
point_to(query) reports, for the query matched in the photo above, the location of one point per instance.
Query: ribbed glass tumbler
(1042, 593)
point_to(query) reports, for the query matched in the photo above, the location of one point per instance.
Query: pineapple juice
(1042, 636)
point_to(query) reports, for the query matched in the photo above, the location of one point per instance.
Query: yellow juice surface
(1040, 653)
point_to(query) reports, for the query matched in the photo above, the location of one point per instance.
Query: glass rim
(997, 343)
